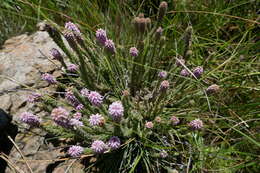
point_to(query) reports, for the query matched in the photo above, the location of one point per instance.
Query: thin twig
(17, 148)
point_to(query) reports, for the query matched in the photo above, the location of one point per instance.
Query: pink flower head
(185, 73)
(77, 115)
(30, 119)
(110, 46)
(101, 36)
(75, 151)
(114, 142)
(175, 120)
(162, 74)
(99, 146)
(116, 110)
(56, 54)
(196, 124)
(34, 97)
(79, 106)
(95, 98)
(60, 117)
(75, 123)
(198, 71)
(149, 124)
(164, 85)
(49, 78)
(84, 92)
(72, 67)
(72, 27)
(133, 51)
(96, 120)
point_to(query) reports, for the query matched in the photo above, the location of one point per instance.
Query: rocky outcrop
(22, 61)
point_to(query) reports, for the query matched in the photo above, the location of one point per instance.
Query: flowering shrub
(122, 98)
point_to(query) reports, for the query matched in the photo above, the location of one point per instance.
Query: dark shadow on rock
(6, 128)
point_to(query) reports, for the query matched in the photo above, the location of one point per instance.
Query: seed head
(162, 10)
(213, 89)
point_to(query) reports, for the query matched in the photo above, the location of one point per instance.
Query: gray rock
(23, 60)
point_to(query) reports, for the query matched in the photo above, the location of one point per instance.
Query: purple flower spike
(95, 98)
(114, 142)
(49, 78)
(73, 100)
(164, 85)
(72, 67)
(30, 119)
(162, 74)
(60, 117)
(101, 36)
(133, 51)
(72, 27)
(79, 107)
(175, 120)
(198, 71)
(196, 124)
(116, 110)
(149, 125)
(75, 151)
(56, 54)
(34, 97)
(96, 120)
(110, 46)
(99, 146)
(185, 73)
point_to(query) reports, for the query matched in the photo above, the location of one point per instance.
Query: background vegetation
(225, 42)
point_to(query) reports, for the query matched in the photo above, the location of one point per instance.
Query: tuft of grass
(224, 42)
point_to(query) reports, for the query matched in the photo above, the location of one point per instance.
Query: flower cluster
(75, 151)
(196, 124)
(49, 78)
(116, 110)
(96, 120)
(30, 119)
(34, 97)
(101, 37)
